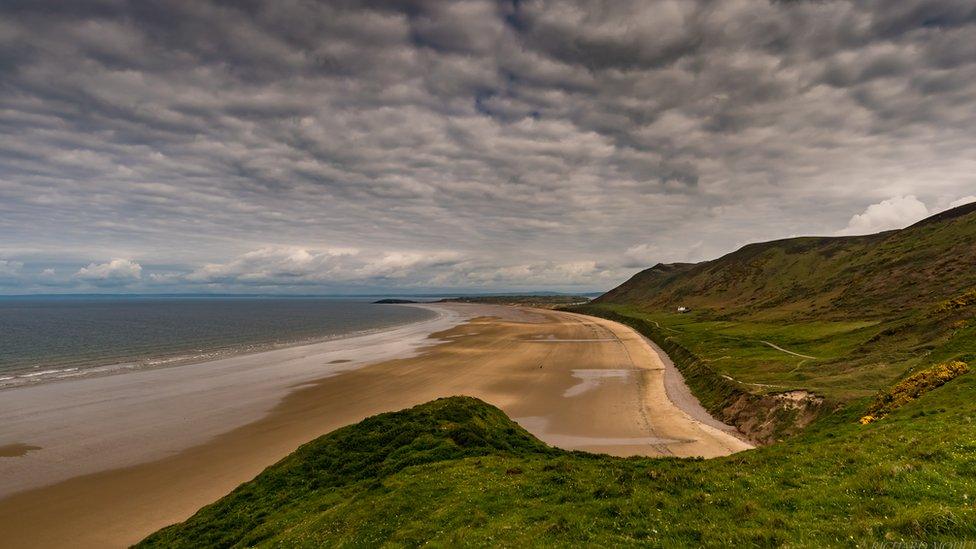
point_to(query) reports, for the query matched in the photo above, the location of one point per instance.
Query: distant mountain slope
(881, 274)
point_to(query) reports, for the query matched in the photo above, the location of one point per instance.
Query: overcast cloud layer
(348, 146)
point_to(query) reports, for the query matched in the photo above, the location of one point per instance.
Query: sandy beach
(103, 462)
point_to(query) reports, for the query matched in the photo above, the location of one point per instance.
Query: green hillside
(850, 353)
(875, 276)
(456, 472)
(836, 318)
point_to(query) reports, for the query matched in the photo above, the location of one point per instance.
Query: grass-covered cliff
(456, 471)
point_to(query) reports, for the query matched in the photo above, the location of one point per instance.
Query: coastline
(89, 424)
(537, 366)
(54, 373)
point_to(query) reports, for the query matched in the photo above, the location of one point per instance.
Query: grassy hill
(456, 471)
(839, 317)
(872, 332)
(874, 276)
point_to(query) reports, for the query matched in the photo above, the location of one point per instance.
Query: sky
(293, 146)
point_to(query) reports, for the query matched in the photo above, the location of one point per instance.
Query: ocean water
(45, 338)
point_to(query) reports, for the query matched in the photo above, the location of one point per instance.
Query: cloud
(463, 142)
(284, 267)
(962, 201)
(276, 266)
(10, 268)
(642, 255)
(893, 213)
(403, 264)
(11, 273)
(116, 272)
(270, 264)
(264, 264)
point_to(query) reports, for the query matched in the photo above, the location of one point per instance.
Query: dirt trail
(787, 351)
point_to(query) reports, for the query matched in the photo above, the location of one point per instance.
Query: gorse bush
(959, 302)
(913, 387)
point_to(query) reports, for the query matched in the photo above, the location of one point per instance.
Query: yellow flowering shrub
(959, 302)
(913, 387)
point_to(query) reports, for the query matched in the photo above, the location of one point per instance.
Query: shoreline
(89, 424)
(70, 371)
(537, 366)
(681, 396)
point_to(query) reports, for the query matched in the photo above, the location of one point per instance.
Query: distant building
(683, 309)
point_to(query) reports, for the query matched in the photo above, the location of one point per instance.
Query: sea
(43, 339)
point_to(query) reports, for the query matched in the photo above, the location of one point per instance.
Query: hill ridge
(867, 275)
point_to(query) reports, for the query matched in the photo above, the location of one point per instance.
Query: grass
(813, 278)
(458, 472)
(913, 387)
(869, 309)
(853, 358)
(412, 479)
(878, 313)
(356, 456)
(736, 349)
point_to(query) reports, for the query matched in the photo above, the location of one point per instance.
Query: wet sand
(576, 382)
(87, 425)
(16, 449)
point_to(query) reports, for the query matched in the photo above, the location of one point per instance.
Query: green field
(737, 349)
(852, 359)
(869, 310)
